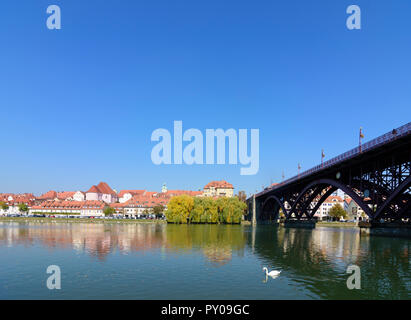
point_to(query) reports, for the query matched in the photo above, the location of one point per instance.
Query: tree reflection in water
(216, 242)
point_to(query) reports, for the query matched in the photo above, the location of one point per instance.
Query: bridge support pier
(254, 212)
(307, 224)
(385, 229)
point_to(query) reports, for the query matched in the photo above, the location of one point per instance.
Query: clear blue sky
(79, 104)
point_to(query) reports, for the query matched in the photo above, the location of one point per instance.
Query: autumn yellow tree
(179, 209)
(186, 209)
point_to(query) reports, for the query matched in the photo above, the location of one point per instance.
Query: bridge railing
(381, 140)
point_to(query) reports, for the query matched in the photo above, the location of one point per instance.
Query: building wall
(218, 192)
(61, 211)
(78, 196)
(125, 197)
(93, 196)
(10, 210)
(108, 198)
(91, 212)
(324, 210)
(354, 212)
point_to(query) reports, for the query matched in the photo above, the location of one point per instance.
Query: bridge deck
(370, 146)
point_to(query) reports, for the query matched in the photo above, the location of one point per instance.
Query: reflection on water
(318, 259)
(313, 262)
(217, 243)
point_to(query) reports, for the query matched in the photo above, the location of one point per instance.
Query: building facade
(323, 212)
(82, 208)
(101, 192)
(219, 189)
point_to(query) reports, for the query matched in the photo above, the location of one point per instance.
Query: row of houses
(93, 202)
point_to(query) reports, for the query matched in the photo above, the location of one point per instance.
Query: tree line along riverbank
(185, 210)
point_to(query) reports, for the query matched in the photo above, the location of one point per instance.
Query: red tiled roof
(105, 188)
(219, 184)
(102, 187)
(93, 189)
(334, 199)
(48, 195)
(170, 193)
(26, 198)
(132, 192)
(143, 200)
(348, 200)
(64, 195)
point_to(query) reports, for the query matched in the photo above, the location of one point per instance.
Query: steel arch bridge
(375, 175)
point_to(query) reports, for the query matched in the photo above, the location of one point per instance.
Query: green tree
(179, 209)
(186, 209)
(158, 210)
(198, 214)
(23, 207)
(109, 211)
(337, 211)
(4, 205)
(230, 210)
(210, 210)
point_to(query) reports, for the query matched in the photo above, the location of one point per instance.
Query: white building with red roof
(219, 189)
(101, 192)
(82, 208)
(139, 205)
(324, 210)
(12, 202)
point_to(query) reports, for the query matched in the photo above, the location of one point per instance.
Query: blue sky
(79, 104)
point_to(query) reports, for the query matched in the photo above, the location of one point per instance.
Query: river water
(159, 261)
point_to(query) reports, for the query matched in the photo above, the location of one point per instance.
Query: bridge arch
(338, 185)
(276, 200)
(397, 192)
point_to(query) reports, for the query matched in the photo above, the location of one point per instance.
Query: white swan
(272, 274)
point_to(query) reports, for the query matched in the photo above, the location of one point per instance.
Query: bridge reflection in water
(318, 259)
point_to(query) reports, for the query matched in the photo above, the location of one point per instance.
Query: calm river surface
(158, 261)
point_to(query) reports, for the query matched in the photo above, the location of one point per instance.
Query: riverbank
(78, 220)
(336, 224)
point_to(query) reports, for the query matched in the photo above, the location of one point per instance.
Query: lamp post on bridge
(322, 158)
(360, 137)
(299, 168)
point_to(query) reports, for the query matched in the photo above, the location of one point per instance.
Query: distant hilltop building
(219, 189)
(101, 192)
